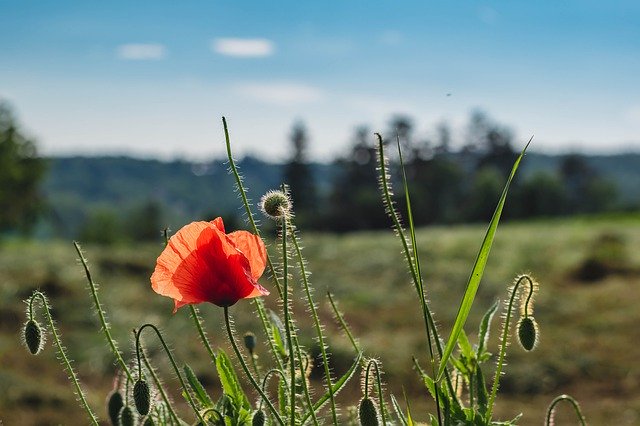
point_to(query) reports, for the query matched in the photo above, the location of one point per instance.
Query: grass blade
(477, 271)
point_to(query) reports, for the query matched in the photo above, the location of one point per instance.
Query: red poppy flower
(202, 263)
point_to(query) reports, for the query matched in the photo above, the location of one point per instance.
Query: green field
(587, 309)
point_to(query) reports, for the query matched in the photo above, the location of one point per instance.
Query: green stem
(158, 384)
(504, 341)
(383, 411)
(268, 332)
(62, 352)
(101, 315)
(254, 364)
(316, 322)
(173, 364)
(245, 201)
(305, 388)
(417, 279)
(287, 320)
(343, 323)
(573, 402)
(203, 335)
(255, 384)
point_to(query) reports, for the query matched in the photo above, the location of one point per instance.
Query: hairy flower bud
(127, 418)
(275, 204)
(114, 405)
(528, 333)
(368, 413)
(250, 342)
(142, 397)
(258, 418)
(32, 334)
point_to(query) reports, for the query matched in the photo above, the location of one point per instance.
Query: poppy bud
(368, 413)
(114, 405)
(258, 418)
(142, 397)
(32, 334)
(528, 333)
(127, 418)
(275, 204)
(250, 342)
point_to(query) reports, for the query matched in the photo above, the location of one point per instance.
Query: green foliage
(230, 383)
(21, 172)
(197, 388)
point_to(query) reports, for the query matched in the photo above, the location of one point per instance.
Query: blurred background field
(588, 269)
(110, 132)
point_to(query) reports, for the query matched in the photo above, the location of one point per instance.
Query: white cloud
(243, 47)
(281, 93)
(142, 51)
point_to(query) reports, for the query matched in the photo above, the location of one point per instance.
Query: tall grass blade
(477, 271)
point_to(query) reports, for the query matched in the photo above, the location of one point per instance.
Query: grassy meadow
(588, 310)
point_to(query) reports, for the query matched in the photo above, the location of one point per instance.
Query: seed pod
(127, 418)
(32, 334)
(258, 418)
(275, 204)
(528, 333)
(114, 405)
(142, 397)
(368, 413)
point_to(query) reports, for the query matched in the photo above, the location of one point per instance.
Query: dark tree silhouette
(21, 171)
(298, 174)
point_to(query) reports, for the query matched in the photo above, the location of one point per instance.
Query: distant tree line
(447, 186)
(122, 199)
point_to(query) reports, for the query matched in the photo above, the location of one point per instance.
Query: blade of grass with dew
(477, 271)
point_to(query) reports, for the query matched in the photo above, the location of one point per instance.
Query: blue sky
(153, 78)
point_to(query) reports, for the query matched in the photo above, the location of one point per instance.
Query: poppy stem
(316, 322)
(101, 315)
(287, 320)
(61, 351)
(158, 384)
(383, 411)
(245, 367)
(245, 201)
(504, 341)
(203, 335)
(173, 364)
(574, 403)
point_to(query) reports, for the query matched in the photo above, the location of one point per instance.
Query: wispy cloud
(142, 51)
(280, 93)
(243, 47)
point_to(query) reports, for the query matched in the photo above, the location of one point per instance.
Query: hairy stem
(559, 399)
(61, 351)
(247, 372)
(101, 315)
(173, 364)
(316, 322)
(504, 341)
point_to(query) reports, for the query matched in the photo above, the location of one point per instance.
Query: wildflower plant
(202, 263)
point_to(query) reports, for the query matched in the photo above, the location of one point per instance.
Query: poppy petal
(203, 264)
(217, 222)
(180, 247)
(253, 249)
